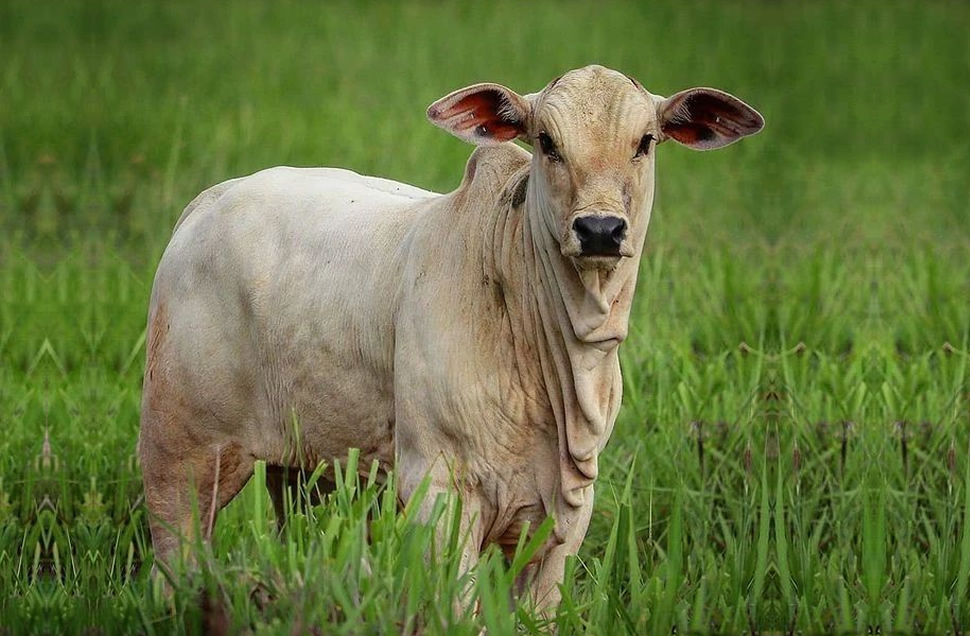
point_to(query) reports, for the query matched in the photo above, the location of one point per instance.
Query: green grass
(793, 450)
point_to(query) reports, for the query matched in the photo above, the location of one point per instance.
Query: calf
(470, 338)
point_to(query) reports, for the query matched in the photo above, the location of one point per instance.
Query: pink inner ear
(706, 119)
(690, 134)
(481, 111)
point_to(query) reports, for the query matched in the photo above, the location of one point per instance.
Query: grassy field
(793, 451)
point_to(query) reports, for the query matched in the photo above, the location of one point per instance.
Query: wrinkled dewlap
(582, 316)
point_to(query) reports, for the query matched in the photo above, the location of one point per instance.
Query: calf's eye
(548, 147)
(644, 148)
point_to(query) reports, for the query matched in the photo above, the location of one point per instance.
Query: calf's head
(593, 133)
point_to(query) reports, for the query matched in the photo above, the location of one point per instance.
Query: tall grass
(792, 453)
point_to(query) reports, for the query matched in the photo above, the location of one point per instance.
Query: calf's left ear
(706, 118)
(482, 114)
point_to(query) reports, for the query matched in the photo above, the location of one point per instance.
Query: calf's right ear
(483, 114)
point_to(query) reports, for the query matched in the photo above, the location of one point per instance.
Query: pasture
(793, 452)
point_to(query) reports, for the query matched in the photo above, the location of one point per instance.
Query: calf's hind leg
(179, 470)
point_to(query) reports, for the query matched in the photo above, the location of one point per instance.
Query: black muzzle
(600, 235)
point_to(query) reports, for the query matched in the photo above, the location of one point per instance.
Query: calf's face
(594, 132)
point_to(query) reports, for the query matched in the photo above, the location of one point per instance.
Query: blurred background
(801, 331)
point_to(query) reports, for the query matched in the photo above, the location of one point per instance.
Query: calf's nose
(600, 235)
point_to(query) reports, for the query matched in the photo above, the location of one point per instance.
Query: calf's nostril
(619, 231)
(582, 229)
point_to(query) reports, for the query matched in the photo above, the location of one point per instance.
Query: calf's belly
(329, 413)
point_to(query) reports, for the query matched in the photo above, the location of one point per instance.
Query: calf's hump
(488, 171)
